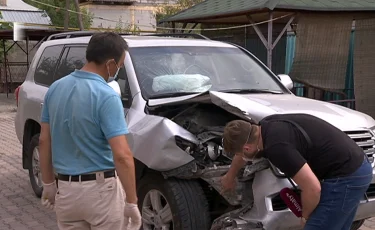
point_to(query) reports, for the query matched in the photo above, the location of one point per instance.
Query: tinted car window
(47, 64)
(124, 83)
(75, 59)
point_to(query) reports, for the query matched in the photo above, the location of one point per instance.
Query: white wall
(140, 15)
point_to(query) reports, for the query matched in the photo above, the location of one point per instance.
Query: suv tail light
(16, 93)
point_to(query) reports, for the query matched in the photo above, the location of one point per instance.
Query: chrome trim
(366, 140)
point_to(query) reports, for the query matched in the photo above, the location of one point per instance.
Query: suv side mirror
(115, 86)
(125, 98)
(286, 81)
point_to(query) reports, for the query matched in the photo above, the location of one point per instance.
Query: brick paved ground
(19, 208)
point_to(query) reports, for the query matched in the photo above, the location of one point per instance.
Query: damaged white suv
(178, 94)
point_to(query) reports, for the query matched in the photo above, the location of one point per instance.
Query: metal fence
(14, 76)
(339, 98)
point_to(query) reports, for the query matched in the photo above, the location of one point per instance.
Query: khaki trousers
(95, 205)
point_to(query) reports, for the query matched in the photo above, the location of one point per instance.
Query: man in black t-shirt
(331, 170)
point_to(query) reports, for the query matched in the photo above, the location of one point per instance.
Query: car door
(36, 86)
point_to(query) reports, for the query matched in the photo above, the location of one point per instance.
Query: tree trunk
(80, 23)
(66, 19)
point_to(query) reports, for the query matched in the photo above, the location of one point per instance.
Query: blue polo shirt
(84, 112)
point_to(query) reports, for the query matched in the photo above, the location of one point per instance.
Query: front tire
(357, 224)
(34, 166)
(172, 204)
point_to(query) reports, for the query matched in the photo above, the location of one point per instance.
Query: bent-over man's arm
(288, 159)
(237, 164)
(228, 181)
(310, 186)
(113, 125)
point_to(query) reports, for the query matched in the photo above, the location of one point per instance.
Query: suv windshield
(181, 70)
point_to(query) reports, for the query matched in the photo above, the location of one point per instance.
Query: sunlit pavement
(19, 208)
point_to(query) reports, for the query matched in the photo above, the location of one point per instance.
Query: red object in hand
(292, 200)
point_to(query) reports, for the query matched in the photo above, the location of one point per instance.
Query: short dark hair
(235, 135)
(104, 46)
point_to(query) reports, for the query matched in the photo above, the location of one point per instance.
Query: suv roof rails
(198, 36)
(75, 34)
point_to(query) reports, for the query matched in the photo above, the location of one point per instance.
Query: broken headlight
(185, 145)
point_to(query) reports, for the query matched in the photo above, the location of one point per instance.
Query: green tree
(5, 26)
(169, 8)
(57, 15)
(122, 27)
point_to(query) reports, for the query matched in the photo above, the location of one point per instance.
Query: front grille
(365, 140)
(370, 193)
(278, 204)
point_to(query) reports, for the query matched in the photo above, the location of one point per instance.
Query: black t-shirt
(332, 154)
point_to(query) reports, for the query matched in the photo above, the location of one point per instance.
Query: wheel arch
(31, 128)
(141, 170)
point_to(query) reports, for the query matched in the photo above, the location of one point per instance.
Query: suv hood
(257, 106)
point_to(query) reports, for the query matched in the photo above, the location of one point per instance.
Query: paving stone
(19, 207)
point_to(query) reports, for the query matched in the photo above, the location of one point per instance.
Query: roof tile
(36, 17)
(215, 8)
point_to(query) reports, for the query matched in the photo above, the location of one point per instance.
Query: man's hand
(228, 183)
(133, 220)
(48, 195)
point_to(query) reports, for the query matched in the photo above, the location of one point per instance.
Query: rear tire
(34, 165)
(357, 224)
(186, 200)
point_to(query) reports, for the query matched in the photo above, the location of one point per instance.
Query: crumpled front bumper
(268, 212)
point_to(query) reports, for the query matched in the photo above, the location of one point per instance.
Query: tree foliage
(5, 26)
(57, 15)
(168, 9)
(121, 27)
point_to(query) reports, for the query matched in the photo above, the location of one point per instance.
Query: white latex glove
(133, 219)
(48, 195)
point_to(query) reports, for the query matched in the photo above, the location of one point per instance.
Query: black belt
(85, 177)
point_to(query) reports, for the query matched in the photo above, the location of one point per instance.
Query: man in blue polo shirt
(83, 138)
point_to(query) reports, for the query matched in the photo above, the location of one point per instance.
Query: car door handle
(41, 105)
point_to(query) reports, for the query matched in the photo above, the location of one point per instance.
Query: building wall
(141, 14)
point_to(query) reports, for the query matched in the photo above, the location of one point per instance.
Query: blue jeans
(339, 200)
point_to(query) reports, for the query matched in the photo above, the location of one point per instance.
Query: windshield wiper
(251, 91)
(175, 94)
